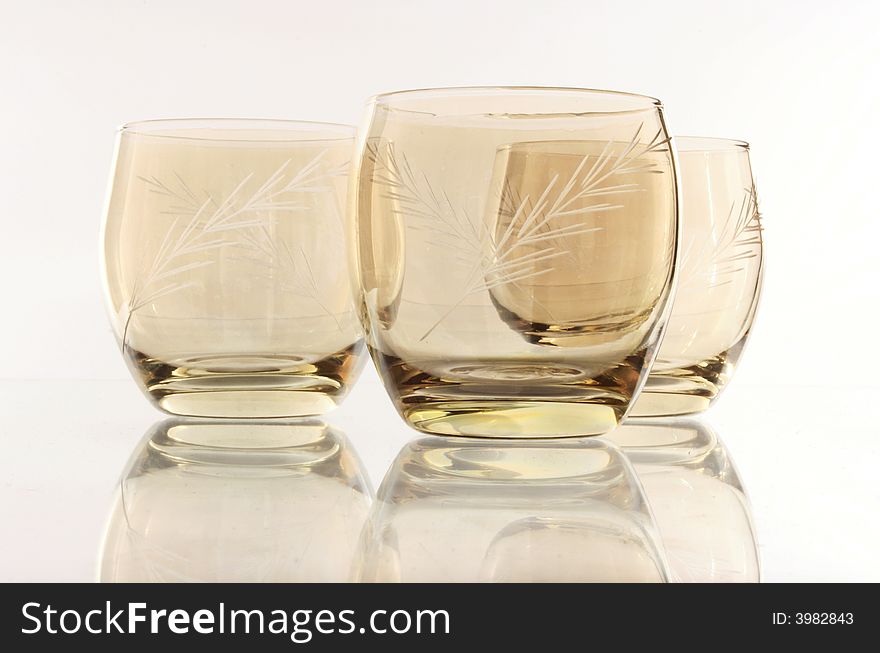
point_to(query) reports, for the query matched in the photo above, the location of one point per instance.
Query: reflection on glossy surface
(237, 501)
(697, 499)
(463, 510)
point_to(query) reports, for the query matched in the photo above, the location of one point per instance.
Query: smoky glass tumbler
(719, 280)
(225, 268)
(514, 250)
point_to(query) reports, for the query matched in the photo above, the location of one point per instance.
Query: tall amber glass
(225, 265)
(719, 282)
(515, 250)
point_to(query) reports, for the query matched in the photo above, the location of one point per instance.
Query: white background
(798, 80)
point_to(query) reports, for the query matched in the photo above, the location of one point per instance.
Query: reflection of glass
(697, 498)
(515, 251)
(225, 269)
(227, 501)
(462, 510)
(719, 279)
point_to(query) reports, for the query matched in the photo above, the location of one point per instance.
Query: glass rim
(697, 144)
(221, 129)
(651, 103)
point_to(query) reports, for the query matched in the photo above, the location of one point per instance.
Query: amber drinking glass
(515, 250)
(224, 265)
(719, 279)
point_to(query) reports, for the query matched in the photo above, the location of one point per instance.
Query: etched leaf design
(738, 240)
(203, 226)
(298, 275)
(425, 209)
(532, 234)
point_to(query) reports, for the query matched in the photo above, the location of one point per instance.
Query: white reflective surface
(808, 470)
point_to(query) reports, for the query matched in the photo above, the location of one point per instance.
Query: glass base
(675, 392)
(668, 404)
(246, 386)
(509, 399)
(243, 404)
(686, 390)
(513, 419)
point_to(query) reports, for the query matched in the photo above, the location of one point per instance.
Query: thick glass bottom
(514, 419)
(685, 390)
(509, 399)
(246, 386)
(659, 403)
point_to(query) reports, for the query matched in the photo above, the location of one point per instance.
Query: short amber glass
(515, 249)
(719, 280)
(224, 265)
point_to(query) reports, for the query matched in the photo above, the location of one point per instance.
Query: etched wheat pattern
(720, 259)
(202, 226)
(533, 235)
(297, 274)
(424, 208)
